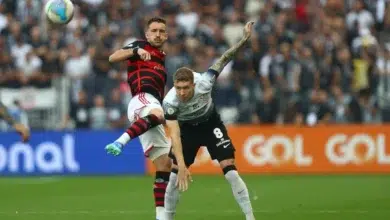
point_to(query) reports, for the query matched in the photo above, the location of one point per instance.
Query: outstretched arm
(5, 116)
(171, 113)
(230, 53)
(177, 147)
(24, 132)
(121, 55)
(129, 51)
(183, 174)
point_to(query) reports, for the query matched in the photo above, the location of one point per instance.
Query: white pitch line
(211, 212)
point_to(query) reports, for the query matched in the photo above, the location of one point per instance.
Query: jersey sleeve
(135, 44)
(170, 111)
(207, 80)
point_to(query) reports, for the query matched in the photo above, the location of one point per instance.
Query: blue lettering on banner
(68, 153)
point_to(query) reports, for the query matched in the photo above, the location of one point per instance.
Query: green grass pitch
(291, 197)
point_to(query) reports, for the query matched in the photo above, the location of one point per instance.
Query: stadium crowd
(309, 61)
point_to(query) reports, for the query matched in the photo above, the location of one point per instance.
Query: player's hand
(248, 29)
(183, 177)
(23, 131)
(145, 55)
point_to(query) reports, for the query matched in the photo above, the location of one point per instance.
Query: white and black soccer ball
(59, 11)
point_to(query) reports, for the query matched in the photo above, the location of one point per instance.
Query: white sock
(160, 212)
(240, 192)
(124, 139)
(172, 196)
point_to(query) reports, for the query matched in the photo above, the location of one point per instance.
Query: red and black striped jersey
(147, 76)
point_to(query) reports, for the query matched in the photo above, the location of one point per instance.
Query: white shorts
(154, 142)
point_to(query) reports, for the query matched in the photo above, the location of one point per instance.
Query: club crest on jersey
(170, 111)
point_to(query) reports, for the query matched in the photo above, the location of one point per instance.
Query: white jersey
(199, 107)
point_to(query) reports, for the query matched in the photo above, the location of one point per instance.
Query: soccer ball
(59, 11)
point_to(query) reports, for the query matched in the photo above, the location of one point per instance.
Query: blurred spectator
(309, 74)
(268, 68)
(28, 11)
(99, 113)
(79, 115)
(117, 111)
(30, 66)
(339, 105)
(344, 72)
(188, 19)
(383, 64)
(79, 21)
(363, 108)
(174, 60)
(77, 67)
(232, 31)
(359, 17)
(290, 69)
(267, 111)
(20, 50)
(3, 17)
(314, 110)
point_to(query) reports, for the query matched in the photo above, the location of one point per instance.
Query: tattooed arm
(229, 54)
(21, 129)
(5, 115)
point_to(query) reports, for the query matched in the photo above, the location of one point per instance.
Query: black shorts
(211, 134)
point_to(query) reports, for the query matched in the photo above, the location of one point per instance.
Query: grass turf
(340, 197)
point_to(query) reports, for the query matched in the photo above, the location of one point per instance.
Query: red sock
(142, 125)
(160, 185)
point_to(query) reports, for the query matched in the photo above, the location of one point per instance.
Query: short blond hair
(184, 74)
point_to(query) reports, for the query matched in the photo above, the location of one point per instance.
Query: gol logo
(357, 149)
(276, 150)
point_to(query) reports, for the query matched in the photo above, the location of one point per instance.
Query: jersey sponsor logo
(154, 53)
(159, 67)
(199, 101)
(193, 111)
(226, 145)
(194, 115)
(223, 142)
(342, 149)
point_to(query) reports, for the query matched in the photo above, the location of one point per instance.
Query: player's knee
(227, 162)
(158, 114)
(163, 163)
(227, 165)
(154, 120)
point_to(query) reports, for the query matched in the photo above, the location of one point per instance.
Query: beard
(157, 42)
